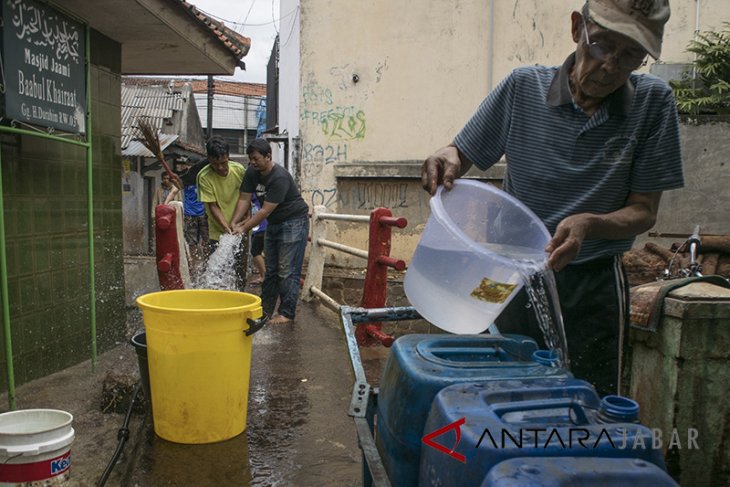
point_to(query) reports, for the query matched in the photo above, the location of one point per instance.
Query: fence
(378, 260)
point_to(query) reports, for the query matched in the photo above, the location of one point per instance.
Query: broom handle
(173, 177)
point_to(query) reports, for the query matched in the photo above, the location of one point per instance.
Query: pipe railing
(364, 396)
(378, 260)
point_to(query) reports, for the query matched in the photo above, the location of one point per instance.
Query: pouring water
(542, 292)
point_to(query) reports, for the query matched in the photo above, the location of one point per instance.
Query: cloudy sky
(257, 19)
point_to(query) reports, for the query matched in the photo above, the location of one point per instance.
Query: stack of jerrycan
(419, 366)
(557, 429)
(577, 472)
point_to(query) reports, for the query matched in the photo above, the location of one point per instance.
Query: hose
(122, 436)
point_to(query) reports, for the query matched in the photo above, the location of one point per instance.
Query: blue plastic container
(546, 357)
(577, 472)
(419, 366)
(542, 418)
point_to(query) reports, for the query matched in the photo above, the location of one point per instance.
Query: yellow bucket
(199, 357)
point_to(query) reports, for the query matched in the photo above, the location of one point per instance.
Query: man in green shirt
(218, 188)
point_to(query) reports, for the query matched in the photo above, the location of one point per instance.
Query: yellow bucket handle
(255, 325)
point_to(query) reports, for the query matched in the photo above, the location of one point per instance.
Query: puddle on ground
(264, 454)
(298, 432)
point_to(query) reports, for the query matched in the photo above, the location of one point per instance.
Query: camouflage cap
(640, 20)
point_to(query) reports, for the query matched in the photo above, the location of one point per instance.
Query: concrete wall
(135, 214)
(45, 198)
(705, 199)
(404, 79)
(679, 376)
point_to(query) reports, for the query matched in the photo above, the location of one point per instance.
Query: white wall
(289, 68)
(422, 68)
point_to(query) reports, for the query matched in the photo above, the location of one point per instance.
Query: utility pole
(210, 106)
(245, 122)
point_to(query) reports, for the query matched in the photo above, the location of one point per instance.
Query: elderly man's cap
(640, 20)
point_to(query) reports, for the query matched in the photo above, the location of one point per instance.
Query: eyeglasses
(603, 52)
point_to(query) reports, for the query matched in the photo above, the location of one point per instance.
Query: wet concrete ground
(298, 431)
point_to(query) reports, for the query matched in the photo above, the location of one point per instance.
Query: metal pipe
(5, 301)
(344, 218)
(397, 264)
(375, 466)
(90, 201)
(697, 33)
(352, 346)
(343, 248)
(209, 115)
(490, 47)
(42, 135)
(375, 332)
(326, 298)
(392, 221)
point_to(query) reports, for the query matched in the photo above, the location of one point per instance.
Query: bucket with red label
(35, 446)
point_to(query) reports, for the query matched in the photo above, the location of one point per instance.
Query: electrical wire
(273, 17)
(253, 2)
(241, 24)
(293, 24)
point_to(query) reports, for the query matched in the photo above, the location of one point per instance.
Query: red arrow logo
(456, 425)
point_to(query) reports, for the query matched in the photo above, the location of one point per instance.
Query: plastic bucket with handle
(199, 360)
(478, 245)
(35, 447)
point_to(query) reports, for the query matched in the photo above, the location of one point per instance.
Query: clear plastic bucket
(478, 245)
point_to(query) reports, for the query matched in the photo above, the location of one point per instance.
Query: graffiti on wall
(371, 195)
(320, 197)
(324, 154)
(336, 121)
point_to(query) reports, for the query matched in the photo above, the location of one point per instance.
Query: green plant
(709, 91)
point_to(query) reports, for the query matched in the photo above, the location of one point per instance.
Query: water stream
(542, 292)
(220, 270)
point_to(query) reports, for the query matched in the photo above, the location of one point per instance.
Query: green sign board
(43, 61)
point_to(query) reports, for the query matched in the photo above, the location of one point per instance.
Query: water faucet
(694, 246)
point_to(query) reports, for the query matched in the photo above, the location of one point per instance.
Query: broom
(151, 141)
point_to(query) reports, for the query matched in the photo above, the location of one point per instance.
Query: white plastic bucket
(469, 264)
(35, 446)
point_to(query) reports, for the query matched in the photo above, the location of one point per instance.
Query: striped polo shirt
(561, 162)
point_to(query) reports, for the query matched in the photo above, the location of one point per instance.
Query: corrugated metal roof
(156, 105)
(136, 148)
(199, 85)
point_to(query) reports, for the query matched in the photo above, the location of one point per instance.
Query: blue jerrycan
(483, 424)
(419, 366)
(577, 472)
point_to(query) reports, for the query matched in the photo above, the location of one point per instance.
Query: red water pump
(168, 250)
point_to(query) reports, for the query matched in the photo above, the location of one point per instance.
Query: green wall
(44, 184)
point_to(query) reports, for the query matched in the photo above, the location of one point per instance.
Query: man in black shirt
(286, 232)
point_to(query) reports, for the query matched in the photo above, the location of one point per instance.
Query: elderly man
(590, 146)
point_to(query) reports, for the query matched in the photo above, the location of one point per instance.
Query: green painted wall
(44, 184)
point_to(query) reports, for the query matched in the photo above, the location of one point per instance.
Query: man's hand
(237, 228)
(568, 238)
(441, 167)
(240, 227)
